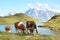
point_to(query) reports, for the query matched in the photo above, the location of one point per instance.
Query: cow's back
(30, 24)
(19, 25)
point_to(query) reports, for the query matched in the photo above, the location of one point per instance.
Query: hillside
(14, 18)
(54, 23)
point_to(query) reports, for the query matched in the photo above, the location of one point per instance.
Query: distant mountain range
(42, 13)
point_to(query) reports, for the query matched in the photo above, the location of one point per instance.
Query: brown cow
(8, 28)
(31, 26)
(19, 26)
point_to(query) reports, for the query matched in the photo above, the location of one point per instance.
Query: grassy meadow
(54, 23)
(10, 36)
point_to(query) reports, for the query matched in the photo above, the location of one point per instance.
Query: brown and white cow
(31, 26)
(19, 26)
(8, 28)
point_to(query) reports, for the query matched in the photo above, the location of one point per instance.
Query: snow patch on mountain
(42, 12)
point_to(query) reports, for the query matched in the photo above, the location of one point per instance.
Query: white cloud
(55, 10)
(30, 5)
(58, 7)
(42, 5)
(39, 6)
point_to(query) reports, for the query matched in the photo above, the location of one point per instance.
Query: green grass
(14, 18)
(10, 36)
(54, 23)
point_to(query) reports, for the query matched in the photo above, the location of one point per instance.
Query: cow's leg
(26, 31)
(31, 32)
(17, 30)
(35, 28)
(36, 31)
(23, 32)
(9, 31)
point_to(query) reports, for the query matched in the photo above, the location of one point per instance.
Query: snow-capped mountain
(41, 13)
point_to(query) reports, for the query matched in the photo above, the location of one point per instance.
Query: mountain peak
(41, 12)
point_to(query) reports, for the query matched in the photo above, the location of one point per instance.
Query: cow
(8, 28)
(31, 26)
(19, 26)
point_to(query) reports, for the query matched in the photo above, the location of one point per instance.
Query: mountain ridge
(17, 17)
(43, 14)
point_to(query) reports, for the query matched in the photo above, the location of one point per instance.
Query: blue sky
(7, 6)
